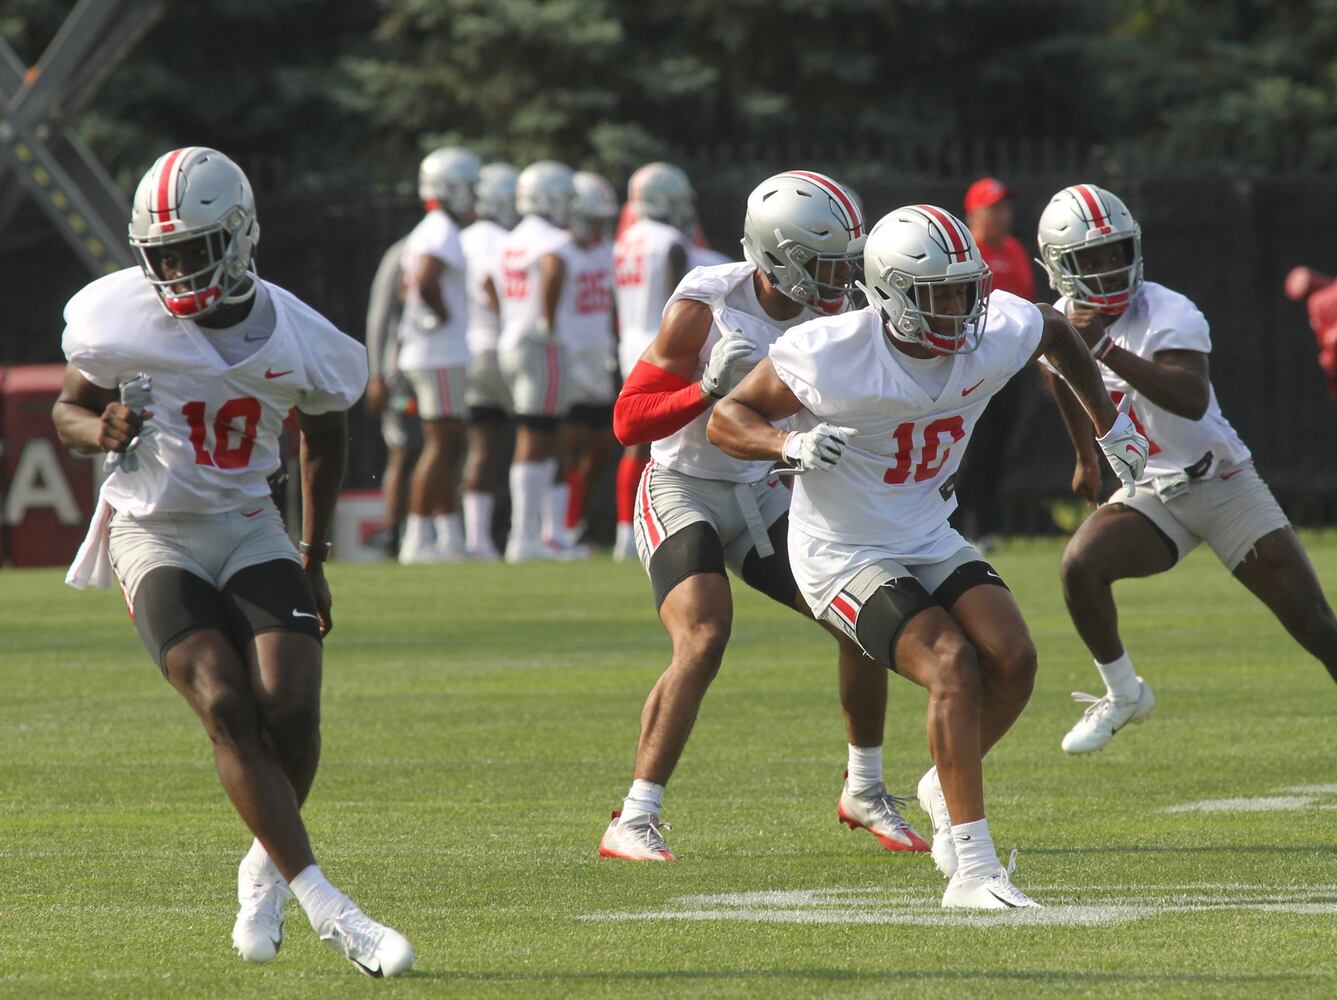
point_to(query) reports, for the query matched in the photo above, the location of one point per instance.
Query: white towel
(92, 563)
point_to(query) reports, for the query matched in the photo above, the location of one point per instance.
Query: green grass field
(480, 722)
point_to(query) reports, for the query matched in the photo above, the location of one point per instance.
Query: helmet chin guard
(195, 211)
(925, 276)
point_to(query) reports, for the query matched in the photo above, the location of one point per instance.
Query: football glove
(819, 448)
(718, 377)
(1125, 448)
(137, 395)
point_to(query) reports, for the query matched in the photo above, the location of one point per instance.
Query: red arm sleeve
(654, 403)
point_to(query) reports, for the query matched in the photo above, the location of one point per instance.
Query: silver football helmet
(545, 188)
(1078, 219)
(804, 232)
(448, 176)
(662, 191)
(594, 208)
(193, 228)
(924, 274)
(494, 194)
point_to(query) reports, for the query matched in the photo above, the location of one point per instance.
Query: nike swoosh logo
(251, 513)
(270, 373)
(1010, 906)
(251, 340)
(967, 392)
(1232, 474)
(304, 614)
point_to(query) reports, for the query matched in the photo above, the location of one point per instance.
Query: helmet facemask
(824, 281)
(945, 315)
(1106, 289)
(196, 271)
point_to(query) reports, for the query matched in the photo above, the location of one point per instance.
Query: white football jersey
(585, 308)
(640, 268)
(444, 346)
(894, 485)
(517, 276)
(218, 425)
(727, 290)
(482, 249)
(1163, 320)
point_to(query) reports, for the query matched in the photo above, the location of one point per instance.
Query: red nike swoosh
(251, 513)
(1231, 474)
(967, 392)
(270, 373)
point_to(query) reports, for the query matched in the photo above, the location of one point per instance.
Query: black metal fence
(1225, 241)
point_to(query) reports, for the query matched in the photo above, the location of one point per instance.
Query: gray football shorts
(1229, 511)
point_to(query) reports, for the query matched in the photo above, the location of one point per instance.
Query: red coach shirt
(1011, 266)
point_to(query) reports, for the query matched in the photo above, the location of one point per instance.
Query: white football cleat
(877, 811)
(1105, 717)
(258, 932)
(994, 891)
(411, 554)
(518, 551)
(641, 839)
(933, 802)
(375, 949)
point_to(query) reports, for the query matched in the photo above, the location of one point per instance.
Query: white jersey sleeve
(336, 364)
(482, 248)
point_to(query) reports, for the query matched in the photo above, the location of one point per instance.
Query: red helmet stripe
(960, 246)
(165, 189)
(1093, 205)
(837, 192)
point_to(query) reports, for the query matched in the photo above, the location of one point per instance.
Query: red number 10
(929, 461)
(224, 456)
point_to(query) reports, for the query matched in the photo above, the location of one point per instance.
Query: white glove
(819, 448)
(717, 379)
(1125, 449)
(137, 394)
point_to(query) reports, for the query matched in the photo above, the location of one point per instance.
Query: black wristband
(316, 553)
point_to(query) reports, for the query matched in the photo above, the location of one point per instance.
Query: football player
(585, 329)
(699, 510)
(650, 256)
(488, 398)
(1199, 484)
(884, 399)
(210, 359)
(388, 393)
(526, 286)
(434, 353)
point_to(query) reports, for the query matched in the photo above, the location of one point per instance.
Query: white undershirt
(235, 344)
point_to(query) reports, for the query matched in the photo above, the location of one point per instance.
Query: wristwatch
(316, 553)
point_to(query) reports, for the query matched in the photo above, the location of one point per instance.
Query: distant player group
(805, 410)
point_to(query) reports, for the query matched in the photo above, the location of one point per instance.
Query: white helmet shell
(594, 208)
(191, 194)
(805, 233)
(1081, 217)
(921, 264)
(448, 176)
(494, 194)
(545, 188)
(662, 191)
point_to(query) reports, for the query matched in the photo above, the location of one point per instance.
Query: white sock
(417, 531)
(625, 535)
(645, 799)
(527, 492)
(1119, 678)
(478, 521)
(258, 862)
(865, 767)
(449, 531)
(318, 898)
(975, 853)
(554, 512)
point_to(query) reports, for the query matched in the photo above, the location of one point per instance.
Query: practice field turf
(479, 725)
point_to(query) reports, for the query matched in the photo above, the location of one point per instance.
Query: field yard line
(1263, 803)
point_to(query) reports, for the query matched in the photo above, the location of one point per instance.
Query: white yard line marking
(1263, 803)
(881, 906)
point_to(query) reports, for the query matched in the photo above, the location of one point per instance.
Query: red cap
(986, 191)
